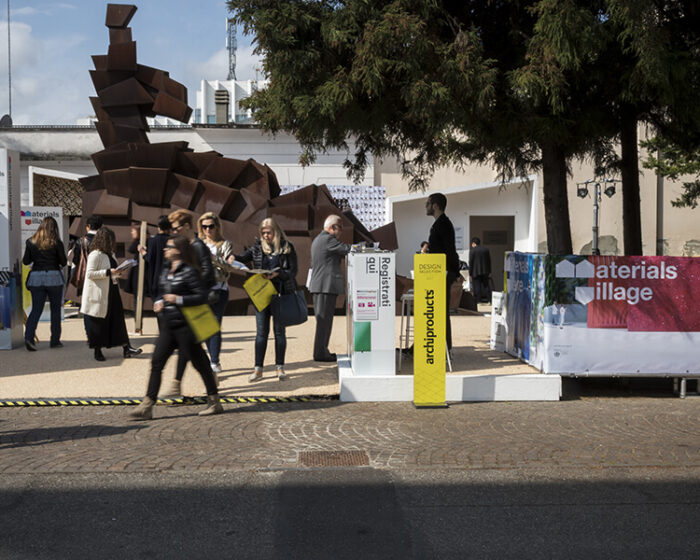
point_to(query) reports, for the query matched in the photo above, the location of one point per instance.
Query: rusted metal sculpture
(139, 181)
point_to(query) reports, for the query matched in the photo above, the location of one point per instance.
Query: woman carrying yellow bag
(182, 288)
(273, 252)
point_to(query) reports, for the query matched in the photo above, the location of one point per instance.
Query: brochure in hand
(127, 264)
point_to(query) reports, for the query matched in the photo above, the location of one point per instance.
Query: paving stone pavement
(592, 433)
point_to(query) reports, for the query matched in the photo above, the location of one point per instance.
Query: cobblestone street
(587, 433)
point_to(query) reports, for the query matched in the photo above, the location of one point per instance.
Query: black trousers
(482, 291)
(324, 309)
(180, 338)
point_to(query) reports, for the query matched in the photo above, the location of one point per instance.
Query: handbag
(290, 309)
(202, 321)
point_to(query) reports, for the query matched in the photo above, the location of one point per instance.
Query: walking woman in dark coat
(101, 303)
(181, 286)
(271, 251)
(45, 252)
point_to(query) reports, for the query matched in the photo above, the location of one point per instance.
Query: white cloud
(248, 65)
(23, 46)
(26, 11)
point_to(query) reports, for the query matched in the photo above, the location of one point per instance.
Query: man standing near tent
(442, 240)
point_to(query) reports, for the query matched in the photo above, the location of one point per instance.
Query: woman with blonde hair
(45, 252)
(272, 251)
(101, 303)
(209, 230)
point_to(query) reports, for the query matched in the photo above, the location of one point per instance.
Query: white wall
(413, 225)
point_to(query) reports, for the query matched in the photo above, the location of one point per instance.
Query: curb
(19, 403)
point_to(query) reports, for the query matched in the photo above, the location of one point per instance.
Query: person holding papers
(101, 303)
(271, 252)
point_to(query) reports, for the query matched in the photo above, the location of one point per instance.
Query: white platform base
(458, 388)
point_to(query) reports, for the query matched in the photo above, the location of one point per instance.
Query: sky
(52, 42)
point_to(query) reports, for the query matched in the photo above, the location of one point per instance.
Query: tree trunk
(556, 200)
(629, 168)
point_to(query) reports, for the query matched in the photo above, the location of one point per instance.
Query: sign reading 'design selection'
(429, 330)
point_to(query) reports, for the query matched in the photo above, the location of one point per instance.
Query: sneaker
(216, 368)
(281, 375)
(255, 376)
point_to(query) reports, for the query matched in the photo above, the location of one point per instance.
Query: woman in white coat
(101, 303)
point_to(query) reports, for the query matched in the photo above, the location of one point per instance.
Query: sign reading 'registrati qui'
(429, 330)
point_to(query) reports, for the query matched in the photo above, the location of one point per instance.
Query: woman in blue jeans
(209, 230)
(271, 251)
(45, 252)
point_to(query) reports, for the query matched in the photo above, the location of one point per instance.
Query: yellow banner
(430, 284)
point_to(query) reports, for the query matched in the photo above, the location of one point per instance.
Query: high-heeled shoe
(99, 356)
(129, 351)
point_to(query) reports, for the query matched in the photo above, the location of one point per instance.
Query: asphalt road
(591, 477)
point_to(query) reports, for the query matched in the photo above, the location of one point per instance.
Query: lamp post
(609, 191)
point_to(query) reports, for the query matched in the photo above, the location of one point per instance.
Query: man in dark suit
(442, 240)
(480, 270)
(326, 283)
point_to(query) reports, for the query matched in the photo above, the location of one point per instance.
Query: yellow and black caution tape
(17, 403)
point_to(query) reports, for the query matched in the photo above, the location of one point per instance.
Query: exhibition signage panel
(31, 218)
(10, 257)
(371, 293)
(611, 315)
(429, 290)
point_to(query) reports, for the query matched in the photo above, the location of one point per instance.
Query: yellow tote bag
(260, 290)
(202, 321)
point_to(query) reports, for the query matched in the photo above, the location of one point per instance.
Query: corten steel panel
(99, 61)
(169, 106)
(107, 160)
(302, 246)
(223, 171)
(403, 284)
(148, 185)
(102, 79)
(186, 190)
(92, 183)
(176, 89)
(242, 205)
(298, 218)
(117, 182)
(152, 77)
(257, 216)
(155, 155)
(105, 204)
(359, 227)
(127, 92)
(324, 197)
(122, 56)
(241, 235)
(248, 175)
(272, 182)
(77, 227)
(193, 164)
(386, 235)
(130, 133)
(150, 214)
(128, 115)
(117, 35)
(107, 134)
(215, 198)
(100, 113)
(119, 15)
(305, 195)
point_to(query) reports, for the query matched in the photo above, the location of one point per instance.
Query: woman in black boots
(100, 301)
(181, 286)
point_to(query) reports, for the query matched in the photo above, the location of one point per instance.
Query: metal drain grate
(333, 459)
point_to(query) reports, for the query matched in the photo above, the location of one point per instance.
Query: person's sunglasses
(208, 226)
